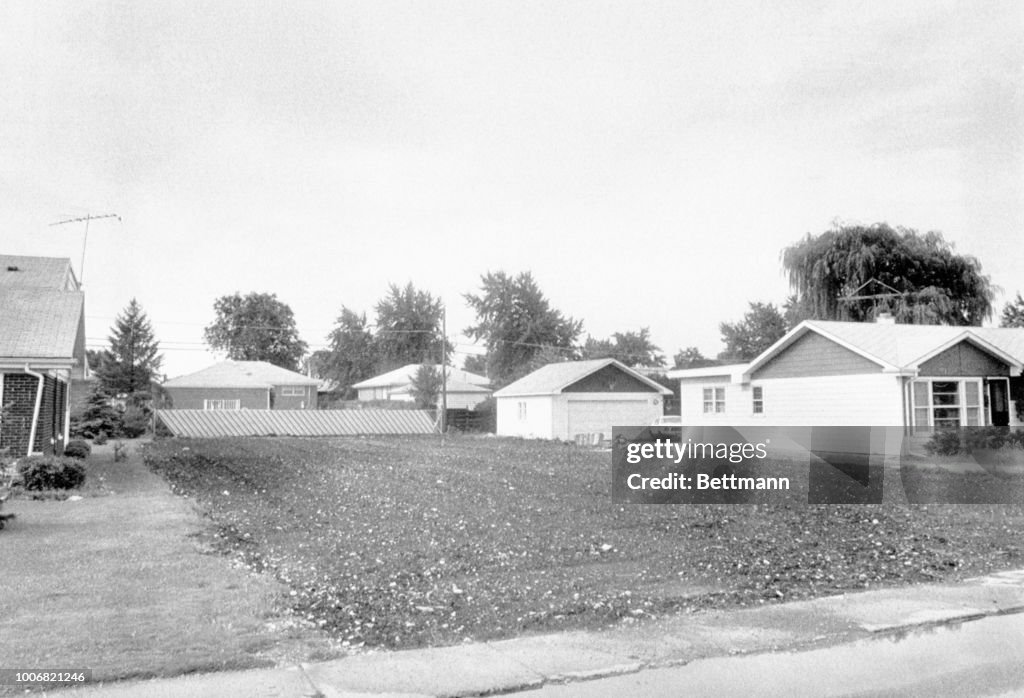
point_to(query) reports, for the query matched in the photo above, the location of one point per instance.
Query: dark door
(999, 402)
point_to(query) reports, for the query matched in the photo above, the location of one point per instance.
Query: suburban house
(42, 348)
(919, 377)
(567, 399)
(465, 390)
(242, 385)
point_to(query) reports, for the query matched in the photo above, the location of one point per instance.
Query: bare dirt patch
(407, 542)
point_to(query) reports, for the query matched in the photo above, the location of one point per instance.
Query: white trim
(797, 333)
(988, 397)
(35, 411)
(968, 336)
(237, 404)
(961, 405)
(730, 371)
(604, 364)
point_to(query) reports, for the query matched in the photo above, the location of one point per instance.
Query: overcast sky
(647, 161)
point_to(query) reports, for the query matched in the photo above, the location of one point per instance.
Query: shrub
(98, 417)
(100, 438)
(951, 442)
(134, 422)
(77, 448)
(51, 473)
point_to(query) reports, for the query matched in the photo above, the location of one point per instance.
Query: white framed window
(946, 403)
(222, 404)
(293, 391)
(757, 393)
(714, 400)
(522, 410)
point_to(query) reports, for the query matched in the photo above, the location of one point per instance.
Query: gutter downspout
(67, 411)
(35, 412)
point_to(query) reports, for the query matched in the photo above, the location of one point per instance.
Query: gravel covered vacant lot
(402, 542)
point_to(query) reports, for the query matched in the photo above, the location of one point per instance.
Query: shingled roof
(553, 378)
(20, 271)
(40, 323)
(240, 374)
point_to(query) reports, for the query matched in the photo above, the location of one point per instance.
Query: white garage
(564, 400)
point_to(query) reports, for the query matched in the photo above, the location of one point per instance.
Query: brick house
(42, 348)
(242, 385)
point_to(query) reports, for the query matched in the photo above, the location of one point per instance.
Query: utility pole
(85, 238)
(444, 372)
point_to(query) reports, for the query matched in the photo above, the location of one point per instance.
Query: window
(222, 404)
(522, 410)
(293, 391)
(758, 393)
(946, 404)
(714, 400)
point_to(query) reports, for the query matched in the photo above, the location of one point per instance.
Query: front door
(999, 401)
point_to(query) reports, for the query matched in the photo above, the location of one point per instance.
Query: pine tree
(130, 364)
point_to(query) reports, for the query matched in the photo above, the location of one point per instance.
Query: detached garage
(563, 400)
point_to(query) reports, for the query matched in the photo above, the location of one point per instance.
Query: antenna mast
(85, 238)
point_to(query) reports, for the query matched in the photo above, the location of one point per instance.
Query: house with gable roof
(242, 385)
(919, 377)
(563, 400)
(465, 390)
(42, 348)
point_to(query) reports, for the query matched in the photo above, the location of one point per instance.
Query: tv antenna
(86, 218)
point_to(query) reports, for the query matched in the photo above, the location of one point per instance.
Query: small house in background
(465, 390)
(42, 349)
(242, 385)
(573, 398)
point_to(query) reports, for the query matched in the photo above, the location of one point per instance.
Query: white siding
(536, 423)
(861, 400)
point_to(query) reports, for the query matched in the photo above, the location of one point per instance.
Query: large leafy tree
(1013, 313)
(408, 328)
(691, 357)
(762, 326)
(631, 348)
(129, 365)
(516, 322)
(918, 278)
(351, 355)
(256, 327)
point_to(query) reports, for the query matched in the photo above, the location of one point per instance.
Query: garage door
(599, 417)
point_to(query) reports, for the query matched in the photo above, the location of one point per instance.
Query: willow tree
(855, 272)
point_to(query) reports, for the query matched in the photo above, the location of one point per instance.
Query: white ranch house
(565, 400)
(918, 377)
(465, 390)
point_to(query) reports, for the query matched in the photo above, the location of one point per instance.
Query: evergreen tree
(130, 364)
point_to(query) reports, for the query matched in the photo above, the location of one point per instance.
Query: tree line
(851, 273)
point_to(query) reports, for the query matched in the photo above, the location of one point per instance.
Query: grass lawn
(404, 542)
(118, 582)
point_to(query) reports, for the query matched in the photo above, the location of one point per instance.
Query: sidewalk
(531, 662)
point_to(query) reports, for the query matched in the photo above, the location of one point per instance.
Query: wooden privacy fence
(213, 423)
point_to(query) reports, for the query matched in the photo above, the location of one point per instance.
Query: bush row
(951, 442)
